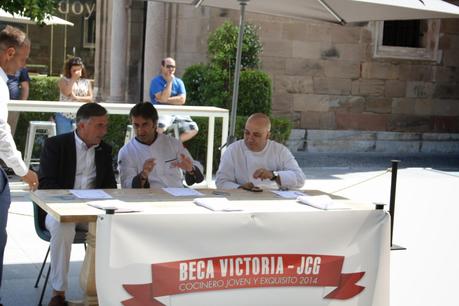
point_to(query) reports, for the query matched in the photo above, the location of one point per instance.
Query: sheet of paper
(115, 204)
(321, 202)
(288, 194)
(182, 192)
(90, 194)
(216, 204)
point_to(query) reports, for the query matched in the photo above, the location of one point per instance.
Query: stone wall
(325, 76)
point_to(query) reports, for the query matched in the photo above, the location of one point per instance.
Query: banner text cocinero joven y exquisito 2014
(246, 271)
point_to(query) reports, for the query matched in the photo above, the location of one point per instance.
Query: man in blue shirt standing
(18, 85)
(166, 88)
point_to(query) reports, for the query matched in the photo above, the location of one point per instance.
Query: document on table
(115, 204)
(90, 194)
(322, 202)
(182, 192)
(216, 204)
(288, 194)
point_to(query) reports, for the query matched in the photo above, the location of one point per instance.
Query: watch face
(275, 175)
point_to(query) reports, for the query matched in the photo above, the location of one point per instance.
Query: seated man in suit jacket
(76, 160)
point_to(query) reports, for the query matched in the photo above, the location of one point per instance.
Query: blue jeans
(63, 124)
(5, 201)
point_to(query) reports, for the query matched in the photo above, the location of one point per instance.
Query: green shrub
(212, 84)
(195, 79)
(44, 88)
(207, 85)
(254, 93)
(117, 125)
(222, 46)
(280, 129)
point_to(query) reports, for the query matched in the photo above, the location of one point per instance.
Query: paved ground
(427, 207)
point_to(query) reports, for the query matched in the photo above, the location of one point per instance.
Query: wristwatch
(275, 176)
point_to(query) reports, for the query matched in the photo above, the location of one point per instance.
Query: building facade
(367, 87)
(358, 87)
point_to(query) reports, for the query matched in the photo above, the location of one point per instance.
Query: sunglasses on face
(170, 66)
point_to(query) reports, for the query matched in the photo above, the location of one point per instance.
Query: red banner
(245, 271)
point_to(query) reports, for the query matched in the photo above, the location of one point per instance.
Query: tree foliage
(222, 46)
(35, 9)
(212, 84)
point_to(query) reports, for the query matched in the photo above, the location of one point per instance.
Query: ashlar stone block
(306, 32)
(341, 69)
(279, 48)
(403, 106)
(293, 84)
(382, 71)
(298, 66)
(332, 86)
(378, 105)
(445, 107)
(349, 52)
(416, 72)
(309, 50)
(418, 89)
(395, 88)
(311, 103)
(345, 34)
(368, 87)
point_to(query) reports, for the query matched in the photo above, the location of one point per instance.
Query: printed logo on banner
(245, 271)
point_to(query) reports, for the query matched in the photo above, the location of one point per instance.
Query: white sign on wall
(76, 7)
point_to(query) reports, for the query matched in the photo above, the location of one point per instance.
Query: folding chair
(39, 216)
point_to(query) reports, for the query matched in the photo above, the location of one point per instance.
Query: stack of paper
(321, 202)
(216, 204)
(116, 205)
(90, 194)
(288, 194)
(182, 192)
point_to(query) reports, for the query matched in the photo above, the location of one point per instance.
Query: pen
(220, 193)
(170, 160)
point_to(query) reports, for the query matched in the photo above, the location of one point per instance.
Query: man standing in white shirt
(257, 161)
(14, 51)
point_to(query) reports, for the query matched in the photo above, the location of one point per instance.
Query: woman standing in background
(73, 86)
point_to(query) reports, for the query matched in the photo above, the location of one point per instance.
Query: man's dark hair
(11, 37)
(89, 110)
(145, 110)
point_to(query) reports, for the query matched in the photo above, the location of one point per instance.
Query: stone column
(101, 63)
(118, 50)
(154, 44)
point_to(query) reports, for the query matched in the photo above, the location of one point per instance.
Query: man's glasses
(170, 66)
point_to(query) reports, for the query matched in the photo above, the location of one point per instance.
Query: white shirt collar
(3, 75)
(258, 152)
(80, 143)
